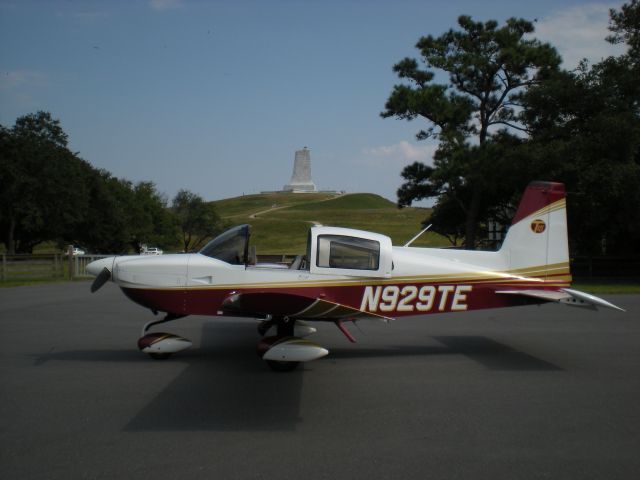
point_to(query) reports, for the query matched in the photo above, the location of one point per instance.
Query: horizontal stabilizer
(545, 295)
(578, 296)
(567, 296)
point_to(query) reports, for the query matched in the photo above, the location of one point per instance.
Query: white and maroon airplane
(349, 275)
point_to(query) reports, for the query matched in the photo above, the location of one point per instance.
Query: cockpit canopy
(232, 246)
(330, 251)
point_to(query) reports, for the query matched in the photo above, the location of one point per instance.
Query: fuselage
(422, 281)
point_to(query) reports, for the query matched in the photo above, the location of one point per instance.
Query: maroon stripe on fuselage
(390, 297)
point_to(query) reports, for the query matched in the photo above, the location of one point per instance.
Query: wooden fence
(28, 267)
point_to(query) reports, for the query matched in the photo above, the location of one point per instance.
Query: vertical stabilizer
(537, 242)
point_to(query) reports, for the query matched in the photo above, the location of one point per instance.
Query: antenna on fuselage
(416, 237)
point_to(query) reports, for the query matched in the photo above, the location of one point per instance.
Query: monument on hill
(301, 177)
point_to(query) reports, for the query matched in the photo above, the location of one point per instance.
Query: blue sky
(216, 96)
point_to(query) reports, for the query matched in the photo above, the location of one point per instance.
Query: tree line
(50, 194)
(509, 114)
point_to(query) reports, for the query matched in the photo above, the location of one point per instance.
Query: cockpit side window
(340, 251)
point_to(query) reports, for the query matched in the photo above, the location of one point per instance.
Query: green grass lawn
(599, 286)
(246, 205)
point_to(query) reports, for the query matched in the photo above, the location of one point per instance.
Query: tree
(584, 130)
(197, 219)
(109, 225)
(43, 193)
(471, 115)
(106, 227)
(41, 126)
(150, 218)
(50, 194)
(123, 216)
(625, 27)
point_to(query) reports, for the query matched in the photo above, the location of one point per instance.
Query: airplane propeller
(100, 280)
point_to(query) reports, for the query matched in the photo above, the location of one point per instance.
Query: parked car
(76, 251)
(150, 250)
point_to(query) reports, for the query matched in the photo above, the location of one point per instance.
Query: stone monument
(301, 177)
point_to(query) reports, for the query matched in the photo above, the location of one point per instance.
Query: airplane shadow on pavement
(486, 351)
(226, 387)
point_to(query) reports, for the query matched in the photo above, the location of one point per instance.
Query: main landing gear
(161, 345)
(284, 351)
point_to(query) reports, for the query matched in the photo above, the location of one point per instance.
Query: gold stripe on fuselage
(552, 275)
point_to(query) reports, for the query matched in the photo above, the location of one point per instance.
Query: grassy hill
(280, 221)
(251, 204)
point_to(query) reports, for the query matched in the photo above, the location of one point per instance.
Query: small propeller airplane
(349, 275)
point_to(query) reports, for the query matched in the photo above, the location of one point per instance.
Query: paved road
(536, 392)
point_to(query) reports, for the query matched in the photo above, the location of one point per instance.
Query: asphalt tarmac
(525, 393)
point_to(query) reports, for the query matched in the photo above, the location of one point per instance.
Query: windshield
(231, 246)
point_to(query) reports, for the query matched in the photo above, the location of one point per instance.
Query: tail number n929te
(411, 298)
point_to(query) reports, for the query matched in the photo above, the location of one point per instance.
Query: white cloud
(579, 32)
(21, 78)
(403, 152)
(166, 4)
(20, 89)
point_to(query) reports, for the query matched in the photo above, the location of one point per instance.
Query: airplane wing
(293, 306)
(566, 296)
